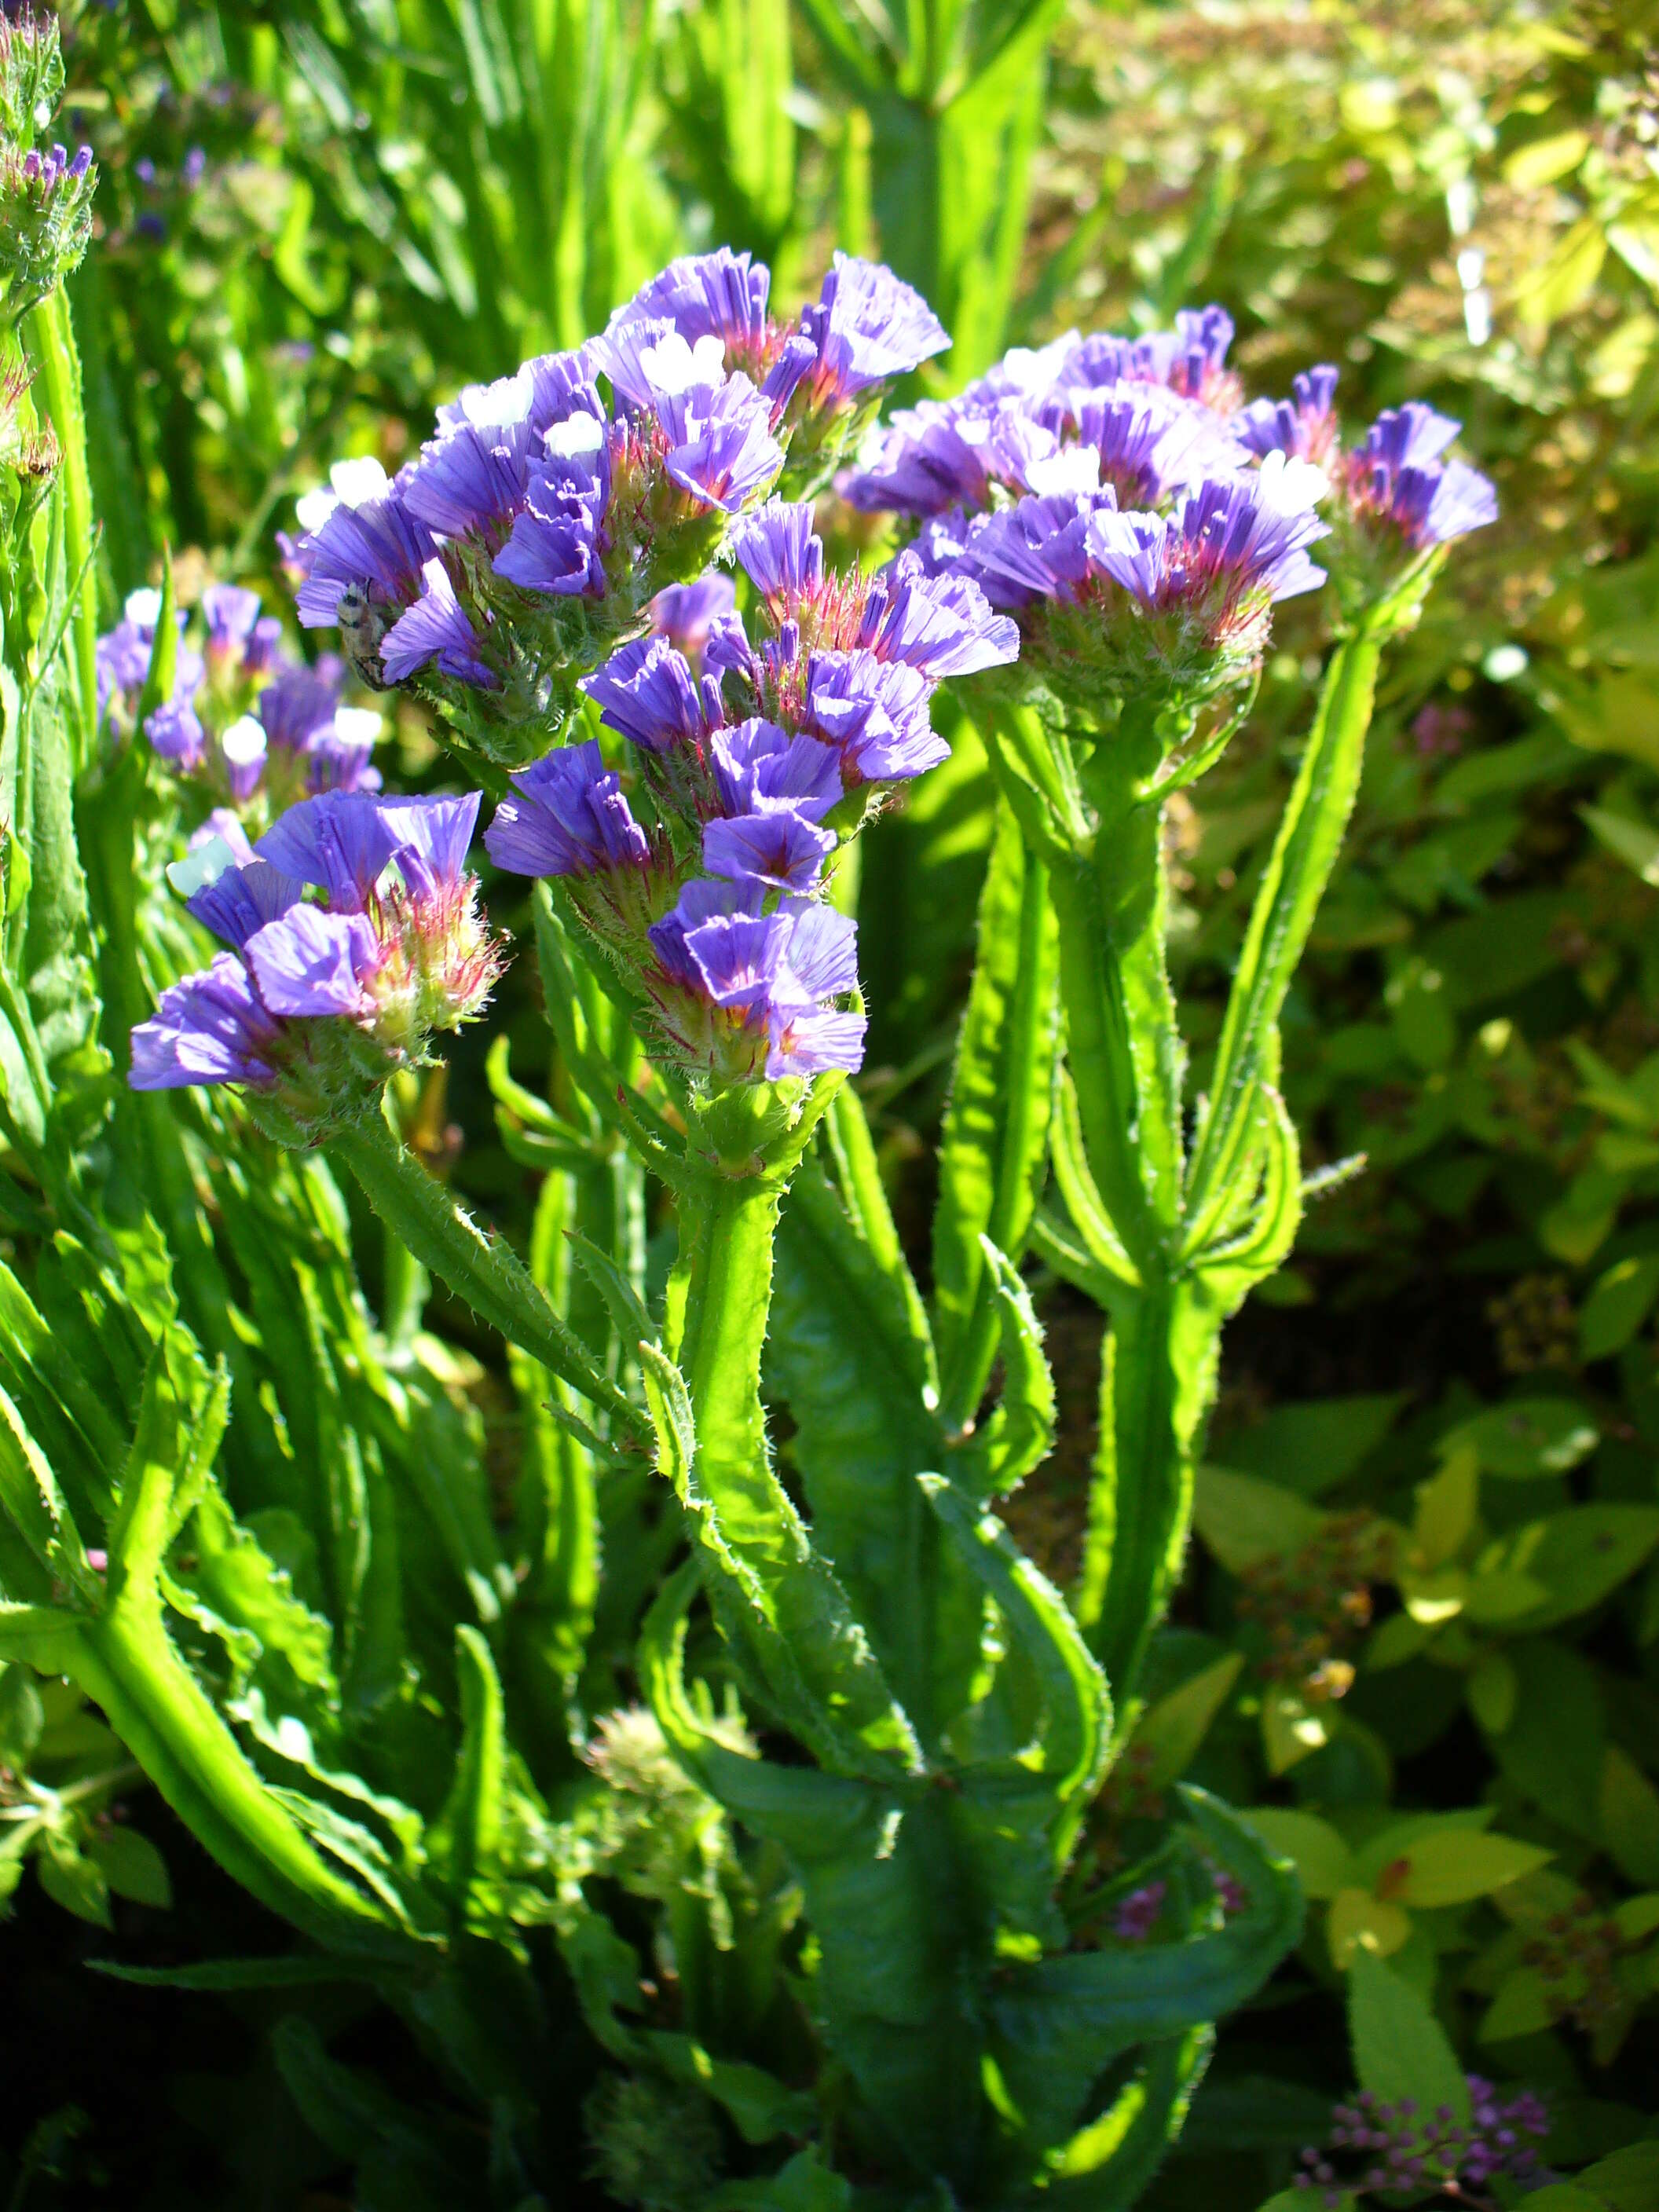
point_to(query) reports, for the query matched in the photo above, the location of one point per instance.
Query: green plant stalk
(1029, 1073)
(1305, 852)
(478, 1268)
(50, 337)
(1158, 1373)
(124, 1660)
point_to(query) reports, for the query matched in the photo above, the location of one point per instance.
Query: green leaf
(1021, 1432)
(1171, 1732)
(1526, 1439)
(1628, 1808)
(74, 1883)
(468, 1839)
(1453, 1866)
(1312, 1446)
(1578, 1557)
(992, 1145)
(1323, 1862)
(161, 675)
(1619, 1302)
(1244, 1520)
(1058, 2024)
(22, 1716)
(1108, 2166)
(225, 1976)
(776, 1597)
(1399, 2048)
(840, 1351)
(132, 1867)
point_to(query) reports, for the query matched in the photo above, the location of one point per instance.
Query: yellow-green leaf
(1628, 1808)
(1360, 1924)
(1454, 1865)
(1322, 1860)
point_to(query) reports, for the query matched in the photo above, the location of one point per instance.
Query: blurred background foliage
(1426, 1597)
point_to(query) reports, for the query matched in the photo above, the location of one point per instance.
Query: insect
(363, 625)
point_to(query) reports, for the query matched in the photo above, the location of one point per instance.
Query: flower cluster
(45, 193)
(1375, 2146)
(550, 506)
(1114, 495)
(322, 998)
(247, 724)
(748, 765)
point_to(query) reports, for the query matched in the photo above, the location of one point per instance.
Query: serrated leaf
(1399, 2048)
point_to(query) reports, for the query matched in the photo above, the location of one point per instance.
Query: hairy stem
(479, 1268)
(50, 339)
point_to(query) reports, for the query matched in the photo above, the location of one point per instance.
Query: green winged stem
(1305, 852)
(49, 336)
(478, 1268)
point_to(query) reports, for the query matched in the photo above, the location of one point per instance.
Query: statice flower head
(721, 295)
(1399, 499)
(45, 192)
(740, 994)
(1303, 427)
(701, 861)
(321, 998)
(1375, 2148)
(1399, 480)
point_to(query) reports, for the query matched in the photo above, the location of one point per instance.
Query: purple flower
(308, 963)
(759, 767)
(1038, 550)
(1303, 426)
(1145, 439)
(210, 1028)
(378, 550)
(1436, 504)
(436, 627)
(175, 733)
(868, 327)
(1409, 437)
(941, 627)
(779, 847)
(230, 613)
(548, 390)
(647, 692)
(721, 294)
(781, 554)
(1233, 537)
(556, 542)
(949, 454)
(720, 446)
(1189, 359)
(432, 835)
(1398, 476)
(685, 613)
(765, 974)
(471, 481)
(567, 817)
(339, 841)
(1140, 1912)
(233, 898)
(298, 700)
(874, 713)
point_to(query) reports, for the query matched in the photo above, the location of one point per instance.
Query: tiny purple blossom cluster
(749, 763)
(251, 726)
(552, 505)
(319, 1000)
(1375, 2148)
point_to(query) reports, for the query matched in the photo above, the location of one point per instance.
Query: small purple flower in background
(1140, 1912)
(318, 1003)
(1375, 2148)
(243, 720)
